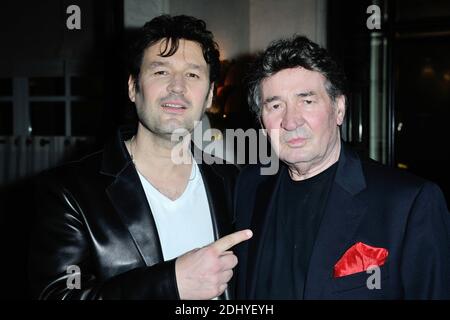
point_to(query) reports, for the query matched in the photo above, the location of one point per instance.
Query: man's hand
(204, 273)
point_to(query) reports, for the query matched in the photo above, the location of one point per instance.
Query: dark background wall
(39, 50)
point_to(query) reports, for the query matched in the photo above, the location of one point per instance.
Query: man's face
(295, 101)
(174, 91)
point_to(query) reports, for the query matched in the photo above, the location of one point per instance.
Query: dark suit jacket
(94, 214)
(368, 202)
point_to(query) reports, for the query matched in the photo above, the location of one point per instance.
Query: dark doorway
(399, 82)
(422, 69)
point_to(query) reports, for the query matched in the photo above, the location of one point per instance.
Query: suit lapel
(219, 198)
(129, 200)
(342, 216)
(263, 209)
(341, 219)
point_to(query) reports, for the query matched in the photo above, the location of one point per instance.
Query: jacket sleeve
(61, 239)
(425, 267)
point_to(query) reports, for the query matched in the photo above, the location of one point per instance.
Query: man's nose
(292, 118)
(177, 84)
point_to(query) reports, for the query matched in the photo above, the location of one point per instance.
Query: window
(85, 117)
(51, 86)
(6, 87)
(6, 106)
(6, 118)
(47, 118)
(51, 106)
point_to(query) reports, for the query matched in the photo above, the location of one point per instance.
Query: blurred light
(428, 71)
(400, 126)
(217, 137)
(402, 166)
(224, 115)
(447, 76)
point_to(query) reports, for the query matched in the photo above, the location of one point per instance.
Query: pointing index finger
(229, 241)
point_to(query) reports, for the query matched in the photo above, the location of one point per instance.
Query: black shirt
(291, 233)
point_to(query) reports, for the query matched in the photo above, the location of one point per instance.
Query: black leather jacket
(94, 214)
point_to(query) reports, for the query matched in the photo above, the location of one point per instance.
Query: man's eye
(272, 106)
(308, 101)
(160, 73)
(193, 75)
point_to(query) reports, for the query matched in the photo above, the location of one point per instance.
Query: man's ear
(340, 109)
(131, 88)
(210, 96)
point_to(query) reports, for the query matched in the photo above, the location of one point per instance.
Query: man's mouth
(296, 141)
(173, 107)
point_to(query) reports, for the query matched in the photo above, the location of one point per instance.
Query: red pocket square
(359, 258)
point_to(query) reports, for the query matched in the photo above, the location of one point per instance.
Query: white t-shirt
(185, 223)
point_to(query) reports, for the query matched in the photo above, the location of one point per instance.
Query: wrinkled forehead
(292, 80)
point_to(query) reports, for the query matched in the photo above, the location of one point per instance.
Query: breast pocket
(373, 280)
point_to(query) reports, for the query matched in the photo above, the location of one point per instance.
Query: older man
(329, 225)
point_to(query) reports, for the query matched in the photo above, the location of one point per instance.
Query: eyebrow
(270, 99)
(156, 64)
(306, 94)
(301, 95)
